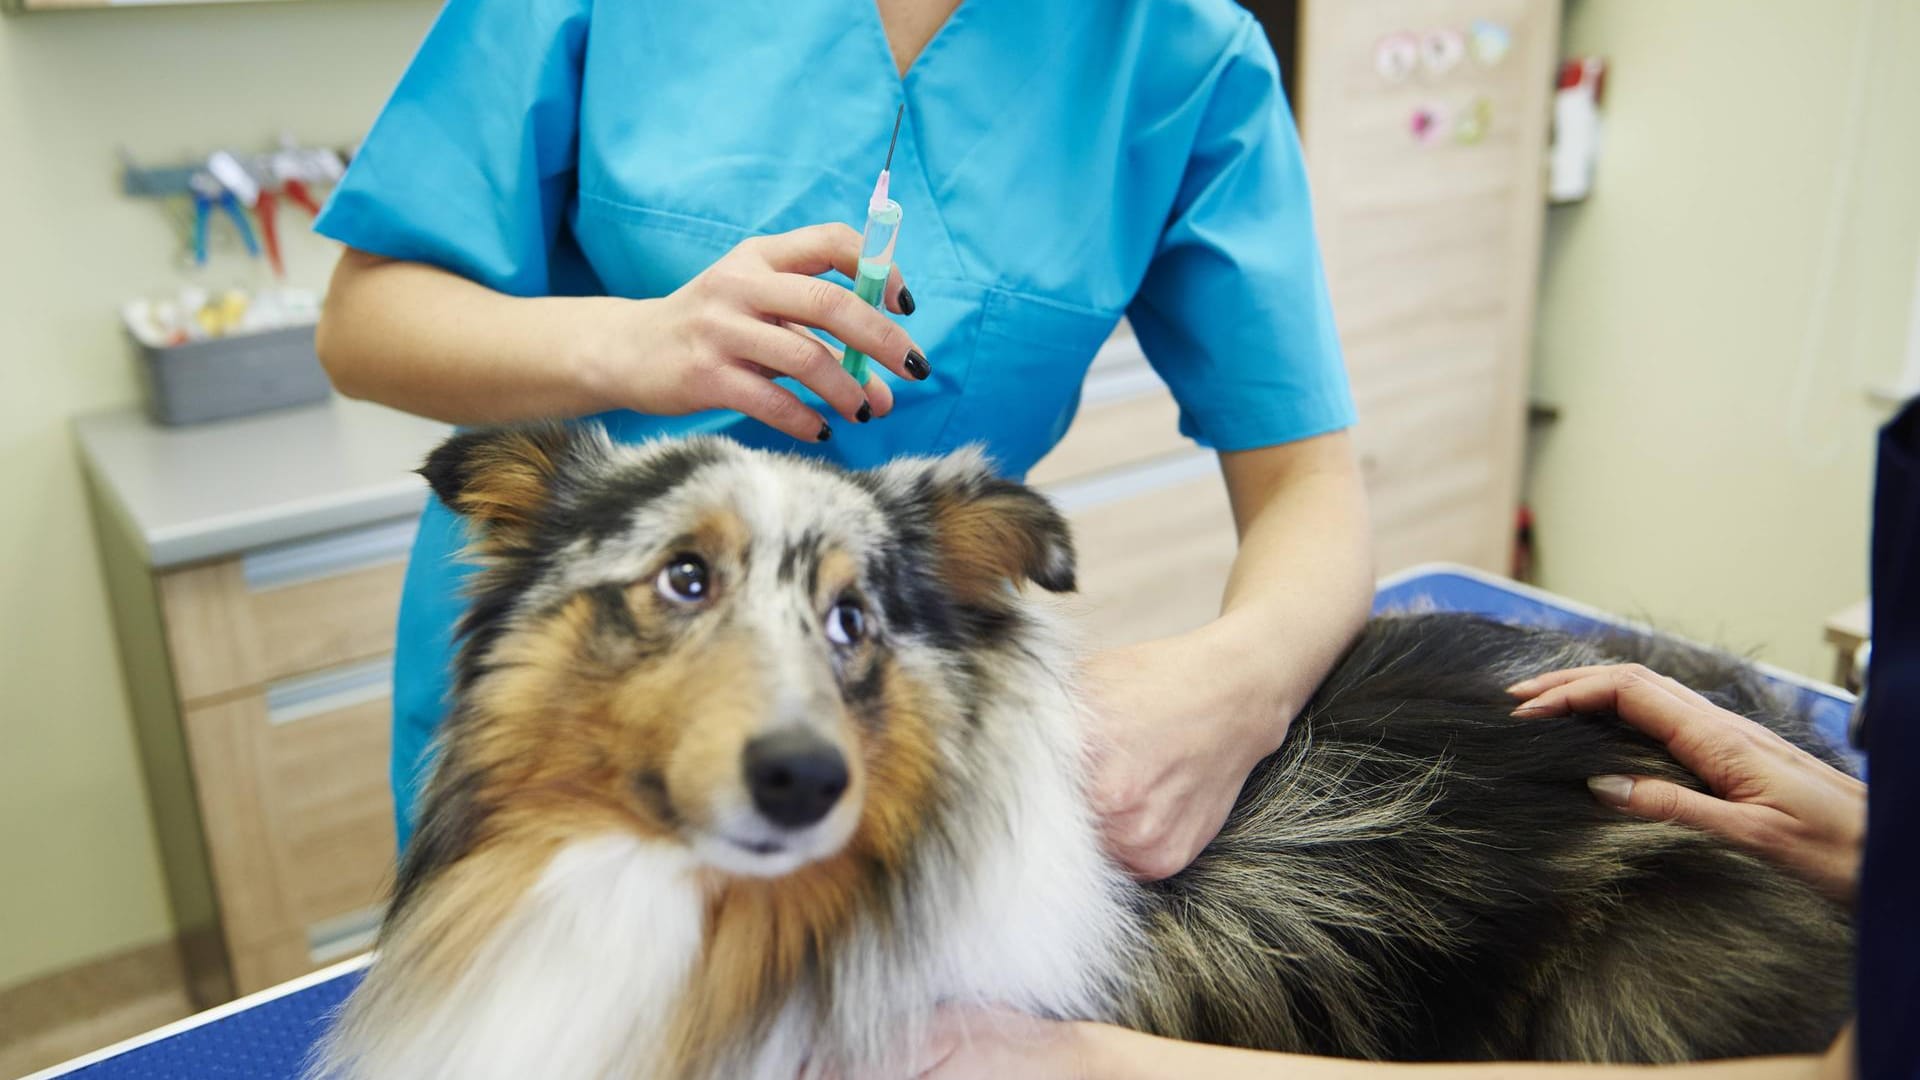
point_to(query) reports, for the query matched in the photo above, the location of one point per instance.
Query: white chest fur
(1017, 906)
(578, 982)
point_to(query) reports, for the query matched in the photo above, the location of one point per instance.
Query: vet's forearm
(1303, 580)
(1109, 1053)
(429, 342)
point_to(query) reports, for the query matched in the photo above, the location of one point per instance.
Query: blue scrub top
(1061, 163)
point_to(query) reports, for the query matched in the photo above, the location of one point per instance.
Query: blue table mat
(1455, 590)
(268, 1040)
(271, 1039)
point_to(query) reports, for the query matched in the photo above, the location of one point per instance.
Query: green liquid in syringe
(870, 286)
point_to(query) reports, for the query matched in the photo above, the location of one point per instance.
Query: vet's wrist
(602, 337)
(1247, 656)
(1108, 1052)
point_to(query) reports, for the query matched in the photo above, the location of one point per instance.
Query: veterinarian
(1767, 796)
(623, 211)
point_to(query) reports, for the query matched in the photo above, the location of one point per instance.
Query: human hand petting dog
(1171, 751)
(1769, 796)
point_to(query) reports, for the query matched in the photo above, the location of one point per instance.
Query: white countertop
(205, 491)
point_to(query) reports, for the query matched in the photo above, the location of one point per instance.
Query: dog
(754, 761)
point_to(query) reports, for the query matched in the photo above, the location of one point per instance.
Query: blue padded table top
(268, 1035)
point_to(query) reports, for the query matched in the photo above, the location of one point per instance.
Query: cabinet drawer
(244, 622)
(292, 788)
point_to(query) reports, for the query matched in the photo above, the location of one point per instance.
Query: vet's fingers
(879, 395)
(1624, 689)
(817, 249)
(799, 355)
(773, 405)
(824, 305)
(1552, 679)
(1661, 800)
(1540, 684)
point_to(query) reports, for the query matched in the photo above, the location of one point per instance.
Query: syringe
(876, 251)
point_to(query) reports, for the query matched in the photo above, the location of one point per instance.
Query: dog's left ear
(503, 479)
(987, 531)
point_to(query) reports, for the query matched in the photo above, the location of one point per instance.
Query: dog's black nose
(795, 777)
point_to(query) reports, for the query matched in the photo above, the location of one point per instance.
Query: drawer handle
(328, 691)
(1073, 496)
(325, 556)
(344, 935)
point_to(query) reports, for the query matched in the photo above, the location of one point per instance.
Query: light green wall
(1693, 478)
(78, 872)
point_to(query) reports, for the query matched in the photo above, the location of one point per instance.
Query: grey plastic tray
(231, 376)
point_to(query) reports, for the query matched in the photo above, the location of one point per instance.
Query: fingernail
(1526, 712)
(917, 365)
(825, 433)
(906, 301)
(865, 414)
(1519, 689)
(1612, 790)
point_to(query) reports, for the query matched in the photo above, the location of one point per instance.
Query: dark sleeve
(1889, 908)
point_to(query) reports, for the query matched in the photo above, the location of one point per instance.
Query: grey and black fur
(1414, 875)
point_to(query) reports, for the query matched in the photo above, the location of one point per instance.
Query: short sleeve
(1233, 310)
(471, 165)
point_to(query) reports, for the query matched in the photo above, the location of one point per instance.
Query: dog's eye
(846, 623)
(683, 580)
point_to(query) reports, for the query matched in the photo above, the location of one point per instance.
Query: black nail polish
(865, 414)
(917, 365)
(825, 434)
(906, 301)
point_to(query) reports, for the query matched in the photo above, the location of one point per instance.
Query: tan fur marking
(720, 531)
(509, 479)
(837, 570)
(560, 742)
(985, 543)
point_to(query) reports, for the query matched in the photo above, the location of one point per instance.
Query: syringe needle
(897, 113)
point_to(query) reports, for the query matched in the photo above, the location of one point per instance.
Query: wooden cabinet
(262, 702)
(1431, 240)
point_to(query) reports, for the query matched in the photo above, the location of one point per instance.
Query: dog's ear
(987, 531)
(501, 479)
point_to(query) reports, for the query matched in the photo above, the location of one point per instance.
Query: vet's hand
(1172, 748)
(720, 340)
(1769, 796)
(997, 1044)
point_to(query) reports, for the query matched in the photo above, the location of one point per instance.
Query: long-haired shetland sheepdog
(753, 761)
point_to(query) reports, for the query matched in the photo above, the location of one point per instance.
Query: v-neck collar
(878, 24)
